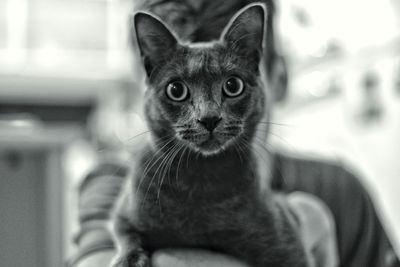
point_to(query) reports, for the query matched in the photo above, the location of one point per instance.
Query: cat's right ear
(156, 42)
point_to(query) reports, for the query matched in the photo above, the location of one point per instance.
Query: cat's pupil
(177, 91)
(233, 87)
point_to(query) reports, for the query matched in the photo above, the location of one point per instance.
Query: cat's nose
(210, 122)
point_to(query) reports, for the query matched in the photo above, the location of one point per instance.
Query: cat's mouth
(211, 143)
(208, 143)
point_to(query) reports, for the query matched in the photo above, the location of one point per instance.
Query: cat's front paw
(132, 259)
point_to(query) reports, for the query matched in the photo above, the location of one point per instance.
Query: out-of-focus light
(321, 52)
(22, 123)
(13, 56)
(49, 55)
(319, 91)
(16, 18)
(16, 32)
(19, 121)
(315, 82)
(79, 159)
(365, 23)
(355, 24)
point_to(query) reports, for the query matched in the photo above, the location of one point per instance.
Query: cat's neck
(233, 170)
(227, 166)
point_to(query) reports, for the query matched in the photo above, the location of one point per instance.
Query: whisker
(187, 131)
(187, 158)
(261, 156)
(234, 123)
(135, 136)
(165, 170)
(275, 123)
(262, 143)
(241, 148)
(233, 127)
(282, 139)
(179, 163)
(181, 125)
(238, 152)
(177, 148)
(169, 165)
(152, 161)
(155, 173)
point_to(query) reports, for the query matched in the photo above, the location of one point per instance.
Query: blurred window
(3, 24)
(72, 24)
(64, 37)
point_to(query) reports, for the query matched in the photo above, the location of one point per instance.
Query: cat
(200, 182)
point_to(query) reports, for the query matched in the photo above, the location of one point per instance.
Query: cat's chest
(169, 222)
(180, 213)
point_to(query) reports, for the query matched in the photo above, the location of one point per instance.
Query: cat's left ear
(156, 42)
(245, 31)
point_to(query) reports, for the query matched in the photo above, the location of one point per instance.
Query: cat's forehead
(201, 58)
(204, 63)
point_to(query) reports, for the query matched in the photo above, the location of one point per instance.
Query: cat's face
(205, 96)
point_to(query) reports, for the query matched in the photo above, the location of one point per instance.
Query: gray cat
(200, 182)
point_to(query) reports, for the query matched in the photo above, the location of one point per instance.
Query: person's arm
(316, 227)
(362, 240)
(101, 258)
(97, 195)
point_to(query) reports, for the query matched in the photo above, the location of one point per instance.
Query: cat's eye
(233, 87)
(177, 91)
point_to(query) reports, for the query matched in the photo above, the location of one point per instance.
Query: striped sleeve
(362, 239)
(97, 195)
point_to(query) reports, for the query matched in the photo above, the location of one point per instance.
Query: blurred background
(67, 92)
